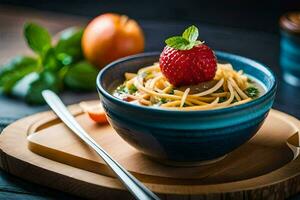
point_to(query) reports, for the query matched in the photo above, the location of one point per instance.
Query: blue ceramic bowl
(184, 137)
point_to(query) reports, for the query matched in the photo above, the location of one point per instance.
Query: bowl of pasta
(175, 122)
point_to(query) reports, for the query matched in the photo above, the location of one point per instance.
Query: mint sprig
(191, 33)
(178, 42)
(186, 41)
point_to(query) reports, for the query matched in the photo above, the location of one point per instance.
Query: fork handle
(137, 189)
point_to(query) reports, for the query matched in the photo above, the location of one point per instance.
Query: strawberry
(187, 61)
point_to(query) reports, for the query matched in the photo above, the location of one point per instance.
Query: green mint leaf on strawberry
(185, 42)
(178, 42)
(191, 33)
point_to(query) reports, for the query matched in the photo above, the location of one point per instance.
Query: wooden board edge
(295, 179)
(54, 180)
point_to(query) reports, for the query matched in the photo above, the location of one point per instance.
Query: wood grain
(58, 143)
(239, 176)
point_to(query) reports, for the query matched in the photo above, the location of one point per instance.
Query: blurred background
(249, 28)
(248, 14)
(246, 27)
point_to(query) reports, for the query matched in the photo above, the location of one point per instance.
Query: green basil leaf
(15, 70)
(191, 33)
(37, 37)
(81, 76)
(68, 49)
(50, 62)
(46, 80)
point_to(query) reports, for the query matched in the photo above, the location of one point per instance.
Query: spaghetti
(149, 87)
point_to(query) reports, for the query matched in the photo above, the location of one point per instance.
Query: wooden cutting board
(41, 149)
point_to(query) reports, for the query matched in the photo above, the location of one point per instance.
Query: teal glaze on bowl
(290, 57)
(184, 136)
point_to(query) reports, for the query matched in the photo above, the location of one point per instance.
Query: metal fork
(137, 189)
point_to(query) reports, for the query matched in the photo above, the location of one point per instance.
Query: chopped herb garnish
(252, 92)
(220, 90)
(158, 101)
(163, 100)
(132, 89)
(222, 99)
(171, 91)
(250, 80)
(122, 89)
(147, 75)
(234, 100)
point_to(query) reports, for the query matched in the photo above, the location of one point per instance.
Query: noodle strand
(149, 87)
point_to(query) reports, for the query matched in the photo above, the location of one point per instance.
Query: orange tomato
(111, 36)
(95, 112)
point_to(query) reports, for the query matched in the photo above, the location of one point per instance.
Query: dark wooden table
(260, 46)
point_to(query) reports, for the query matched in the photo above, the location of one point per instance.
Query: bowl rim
(231, 56)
